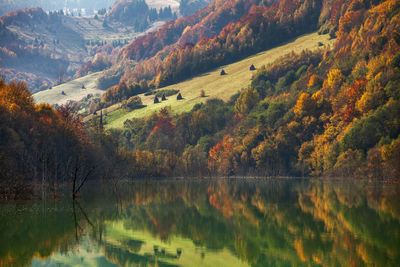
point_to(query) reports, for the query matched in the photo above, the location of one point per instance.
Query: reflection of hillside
(365, 223)
(271, 222)
(219, 215)
(256, 223)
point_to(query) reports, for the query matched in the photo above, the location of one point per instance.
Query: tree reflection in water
(199, 222)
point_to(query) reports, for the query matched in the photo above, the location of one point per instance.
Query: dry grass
(216, 86)
(73, 91)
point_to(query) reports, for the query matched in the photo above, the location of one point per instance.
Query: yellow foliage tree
(391, 158)
(305, 105)
(247, 100)
(314, 80)
(372, 98)
(333, 82)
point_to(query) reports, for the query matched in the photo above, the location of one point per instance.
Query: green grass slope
(215, 86)
(117, 237)
(72, 89)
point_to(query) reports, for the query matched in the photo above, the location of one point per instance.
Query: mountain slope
(89, 5)
(205, 23)
(332, 113)
(48, 48)
(215, 86)
(221, 33)
(73, 91)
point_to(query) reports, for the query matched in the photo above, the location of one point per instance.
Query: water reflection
(208, 223)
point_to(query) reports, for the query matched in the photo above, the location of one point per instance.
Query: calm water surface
(208, 223)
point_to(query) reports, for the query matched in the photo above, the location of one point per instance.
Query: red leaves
(220, 156)
(356, 90)
(336, 11)
(24, 15)
(100, 62)
(353, 95)
(116, 94)
(164, 126)
(73, 121)
(204, 24)
(46, 119)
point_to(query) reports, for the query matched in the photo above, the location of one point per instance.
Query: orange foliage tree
(220, 159)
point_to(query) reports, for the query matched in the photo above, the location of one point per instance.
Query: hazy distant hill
(89, 5)
(188, 7)
(138, 13)
(45, 48)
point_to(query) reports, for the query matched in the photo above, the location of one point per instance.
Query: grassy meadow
(73, 90)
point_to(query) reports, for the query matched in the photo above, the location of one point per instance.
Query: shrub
(134, 102)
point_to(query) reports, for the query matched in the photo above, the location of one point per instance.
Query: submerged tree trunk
(75, 187)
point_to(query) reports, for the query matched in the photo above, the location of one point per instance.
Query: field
(215, 86)
(73, 91)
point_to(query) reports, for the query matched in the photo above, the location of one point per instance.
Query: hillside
(138, 14)
(188, 7)
(88, 5)
(47, 48)
(322, 112)
(72, 91)
(63, 43)
(215, 86)
(219, 34)
(186, 31)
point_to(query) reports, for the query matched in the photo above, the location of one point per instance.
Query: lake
(226, 222)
